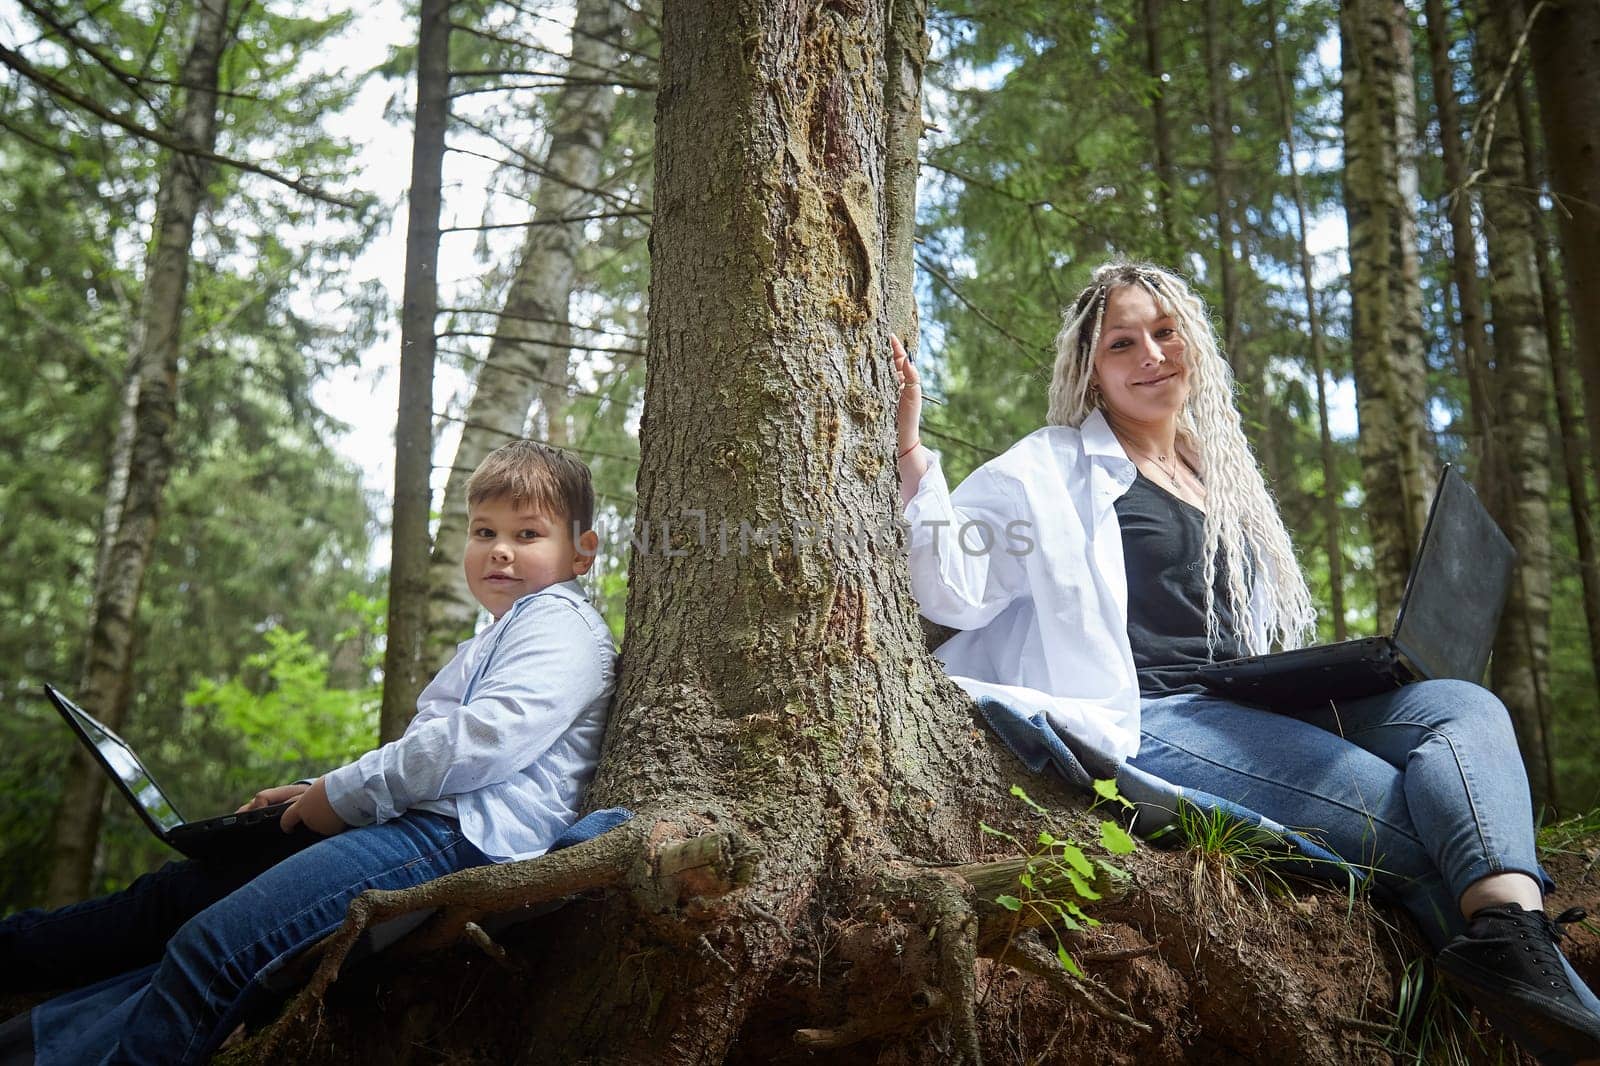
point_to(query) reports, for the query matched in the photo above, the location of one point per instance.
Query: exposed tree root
(1030, 953)
(664, 870)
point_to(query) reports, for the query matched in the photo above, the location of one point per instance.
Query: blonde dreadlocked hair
(1241, 518)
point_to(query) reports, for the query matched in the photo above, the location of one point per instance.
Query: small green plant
(1242, 852)
(1432, 1024)
(1058, 876)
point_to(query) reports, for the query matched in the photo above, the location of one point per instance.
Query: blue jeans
(182, 1007)
(1422, 785)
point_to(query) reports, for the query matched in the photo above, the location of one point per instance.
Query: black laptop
(1446, 626)
(219, 837)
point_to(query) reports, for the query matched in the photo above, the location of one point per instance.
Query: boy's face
(514, 549)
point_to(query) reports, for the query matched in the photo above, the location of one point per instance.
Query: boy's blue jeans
(1421, 785)
(226, 926)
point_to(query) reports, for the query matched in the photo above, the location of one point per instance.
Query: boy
(491, 769)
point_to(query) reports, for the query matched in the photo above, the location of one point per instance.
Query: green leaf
(1107, 790)
(1080, 862)
(1067, 962)
(1026, 881)
(1081, 886)
(1115, 839)
(1010, 903)
(1063, 916)
(1045, 838)
(1002, 834)
(1016, 790)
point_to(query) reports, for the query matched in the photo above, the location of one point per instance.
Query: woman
(1142, 542)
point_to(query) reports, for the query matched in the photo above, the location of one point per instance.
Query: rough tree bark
(1521, 666)
(138, 486)
(528, 356)
(405, 671)
(1564, 40)
(1319, 359)
(1385, 306)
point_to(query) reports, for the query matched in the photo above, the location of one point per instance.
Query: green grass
(1433, 1025)
(1568, 836)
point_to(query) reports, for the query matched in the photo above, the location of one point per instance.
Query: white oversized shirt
(505, 737)
(1044, 611)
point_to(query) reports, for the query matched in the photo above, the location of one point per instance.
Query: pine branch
(563, 220)
(1486, 116)
(633, 352)
(555, 76)
(510, 435)
(526, 163)
(495, 38)
(546, 321)
(169, 141)
(1023, 346)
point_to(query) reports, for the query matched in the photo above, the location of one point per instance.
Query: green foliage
(1059, 877)
(264, 527)
(283, 713)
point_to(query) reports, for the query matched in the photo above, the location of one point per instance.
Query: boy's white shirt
(511, 762)
(1046, 628)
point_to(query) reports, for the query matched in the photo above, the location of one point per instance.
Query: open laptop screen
(1458, 587)
(121, 761)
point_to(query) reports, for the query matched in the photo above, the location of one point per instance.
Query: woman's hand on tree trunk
(908, 412)
(907, 419)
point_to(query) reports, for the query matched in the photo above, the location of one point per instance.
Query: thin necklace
(1172, 474)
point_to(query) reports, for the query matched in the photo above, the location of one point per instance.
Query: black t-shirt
(1162, 537)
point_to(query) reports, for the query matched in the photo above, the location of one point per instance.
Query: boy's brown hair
(534, 473)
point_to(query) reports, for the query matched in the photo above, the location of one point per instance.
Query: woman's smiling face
(1139, 363)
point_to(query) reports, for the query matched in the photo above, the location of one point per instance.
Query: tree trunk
(1161, 132)
(405, 670)
(905, 56)
(1384, 306)
(1564, 41)
(1521, 661)
(1218, 81)
(153, 380)
(1330, 474)
(1569, 408)
(529, 353)
(1476, 366)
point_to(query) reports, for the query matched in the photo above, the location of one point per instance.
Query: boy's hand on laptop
(268, 796)
(312, 808)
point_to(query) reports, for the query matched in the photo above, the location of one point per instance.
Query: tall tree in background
(1385, 301)
(405, 670)
(153, 374)
(1568, 388)
(530, 349)
(1564, 40)
(1161, 130)
(1220, 124)
(1329, 495)
(1476, 357)
(1522, 389)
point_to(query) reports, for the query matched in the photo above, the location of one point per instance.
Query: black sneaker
(1508, 963)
